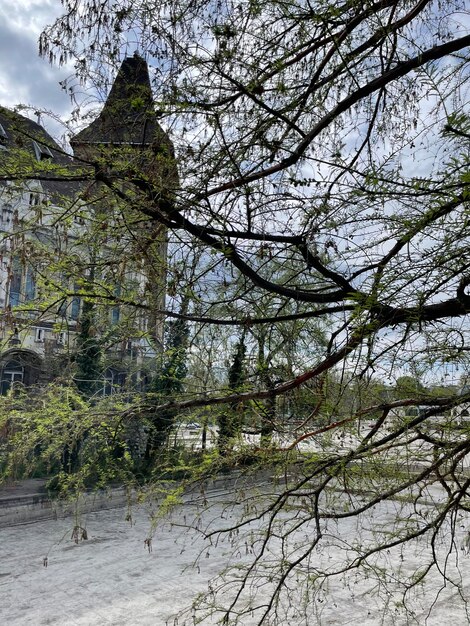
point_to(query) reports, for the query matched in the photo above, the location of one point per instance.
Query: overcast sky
(25, 78)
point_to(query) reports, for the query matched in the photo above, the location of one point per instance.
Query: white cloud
(26, 78)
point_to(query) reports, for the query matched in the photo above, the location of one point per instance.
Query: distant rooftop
(24, 140)
(18, 131)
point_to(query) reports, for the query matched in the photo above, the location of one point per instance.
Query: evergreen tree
(88, 352)
(231, 419)
(168, 384)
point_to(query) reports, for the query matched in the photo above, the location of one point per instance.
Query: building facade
(79, 266)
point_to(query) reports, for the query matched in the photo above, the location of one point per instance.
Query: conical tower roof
(128, 115)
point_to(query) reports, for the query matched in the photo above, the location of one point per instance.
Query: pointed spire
(128, 115)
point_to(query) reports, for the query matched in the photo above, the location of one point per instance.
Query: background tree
(408, 387)
(231, 420)
(168, 383)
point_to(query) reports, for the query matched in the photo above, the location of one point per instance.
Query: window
(30, 286)
(16, 279)
(62, 338)
(75, 307)
(115, 315)
(41, 151)
(34, 199)
(115, 311)
(3, 135)
(40, 334)
(12, 372)
(7, 214)
(114, 381)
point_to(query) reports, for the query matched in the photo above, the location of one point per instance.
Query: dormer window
(34, 199)
(3, 137)
(7, 214)
(40, 335)
(42, 152)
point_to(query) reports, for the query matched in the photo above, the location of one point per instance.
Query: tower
(127, 142)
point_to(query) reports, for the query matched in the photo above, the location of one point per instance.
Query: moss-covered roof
(21, 132)
(26, 148)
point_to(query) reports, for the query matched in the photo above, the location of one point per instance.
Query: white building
(47, 239)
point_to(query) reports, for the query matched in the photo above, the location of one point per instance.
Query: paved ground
(113, 579)
(109, 579)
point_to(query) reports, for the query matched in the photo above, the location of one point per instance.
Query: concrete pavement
(113, 579)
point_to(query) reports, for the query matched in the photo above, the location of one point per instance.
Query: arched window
(12, 372)
(114, 381)
(19, 366)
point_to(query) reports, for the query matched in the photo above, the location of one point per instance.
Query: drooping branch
(399, 71)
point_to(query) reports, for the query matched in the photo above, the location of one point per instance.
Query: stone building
(52, 248)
